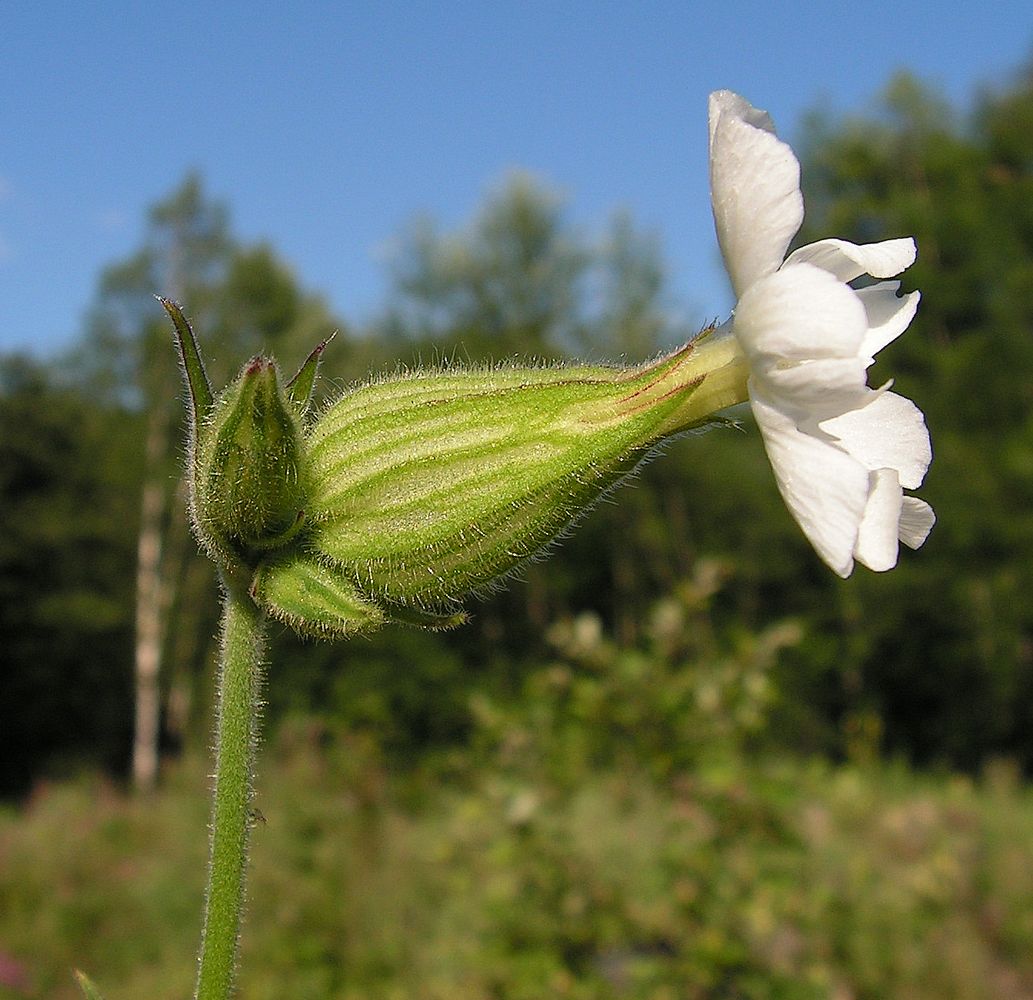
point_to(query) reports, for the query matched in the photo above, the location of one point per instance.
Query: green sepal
(86, 985)
(299, 388)
(313, 599)
(429, 487)
(201, 398)
(438, 621)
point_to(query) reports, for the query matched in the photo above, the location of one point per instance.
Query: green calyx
(408, 494)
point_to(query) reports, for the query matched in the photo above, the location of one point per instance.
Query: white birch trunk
(149, 614)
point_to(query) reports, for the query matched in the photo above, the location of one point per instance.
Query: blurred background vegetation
(678, 759)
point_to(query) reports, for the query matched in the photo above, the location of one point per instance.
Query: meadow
(547, 858)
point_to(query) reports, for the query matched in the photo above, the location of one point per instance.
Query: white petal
(916, 521)
(889, 315)
(754, 190)
(813, 391)
(798, 314)
(877, 536)
(850, 260)
(823, 487)
(727, 102)
(888, 433)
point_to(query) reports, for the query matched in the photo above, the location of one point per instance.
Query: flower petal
(799, 314)
(813, 391)
(916, 521)
(888, 433)
(754, 189)
(889, 315)
(727, 102)
(850, 260)
(877, 535)
(824, 488)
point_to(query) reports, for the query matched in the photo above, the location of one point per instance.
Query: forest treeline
(107, 613)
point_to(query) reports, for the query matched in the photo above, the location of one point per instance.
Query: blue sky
(327, 127)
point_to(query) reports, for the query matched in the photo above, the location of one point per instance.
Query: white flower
(841, 451)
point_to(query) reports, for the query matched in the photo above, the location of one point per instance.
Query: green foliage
(549, 860)
(684, 695)
(66, 570)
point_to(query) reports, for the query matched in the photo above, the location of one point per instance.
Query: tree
(68, 473)
(520, 280)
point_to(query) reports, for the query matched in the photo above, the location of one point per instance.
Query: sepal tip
(301, 386)
(201, 397)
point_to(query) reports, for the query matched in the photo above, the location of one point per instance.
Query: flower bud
(249, 472)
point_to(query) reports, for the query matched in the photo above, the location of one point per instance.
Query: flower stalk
(239, 711)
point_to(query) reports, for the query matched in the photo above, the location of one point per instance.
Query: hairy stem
(240, 680)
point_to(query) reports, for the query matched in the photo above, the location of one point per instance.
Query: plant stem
(239, 687)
